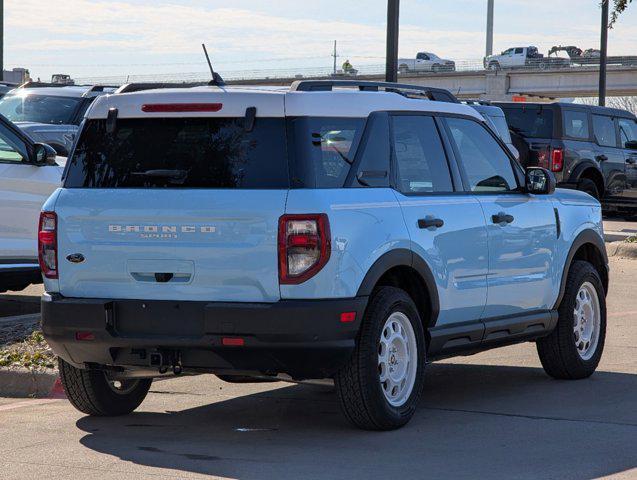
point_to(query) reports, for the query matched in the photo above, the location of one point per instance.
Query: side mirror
(43, 154)
(539, 181)
(631, 145)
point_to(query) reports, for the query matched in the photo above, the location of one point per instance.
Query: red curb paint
(57, 391)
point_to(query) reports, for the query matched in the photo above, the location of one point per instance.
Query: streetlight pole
(391, 67)
(604, 54)
(490, 9)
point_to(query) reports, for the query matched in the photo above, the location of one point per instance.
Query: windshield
(530, 122)
(180, 153)
(39, 108)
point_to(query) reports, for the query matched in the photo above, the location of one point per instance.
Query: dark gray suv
(593, 149)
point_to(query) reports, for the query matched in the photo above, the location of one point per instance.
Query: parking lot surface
(492, 415)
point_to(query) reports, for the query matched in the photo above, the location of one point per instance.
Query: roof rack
(138, 87)
(411, 91)
(99, 88)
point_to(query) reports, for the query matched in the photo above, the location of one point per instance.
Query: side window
(604, 128)
(519, 51)
(421, 163)
(486, 165)
(12, 149)
(576, 124)
(627, 130)
(508, 52)
(373, 170)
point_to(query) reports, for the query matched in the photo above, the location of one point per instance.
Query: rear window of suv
(180, 153)
(530, 122)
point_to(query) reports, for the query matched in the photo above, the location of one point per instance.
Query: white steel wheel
(587, 321)
(397, 359)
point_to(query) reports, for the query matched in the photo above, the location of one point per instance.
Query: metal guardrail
(471, 65)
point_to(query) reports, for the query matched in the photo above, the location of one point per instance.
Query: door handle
(502, 218)
(601, 158)
(430, 223)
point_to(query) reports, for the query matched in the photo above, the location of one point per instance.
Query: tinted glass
(12, 149)
(576, 124)
(373, 170)
(324, 150)
(421, 163)
(530, 122)
(40, 108)
(604, 128)
(486, 165)
(501, 127)
(518, 51)
(180, 153)
(627, 130)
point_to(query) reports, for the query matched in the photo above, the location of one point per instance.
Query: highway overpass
(506, 84)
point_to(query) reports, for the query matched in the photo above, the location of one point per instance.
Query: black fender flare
(397, 258)
(584, 165)
(584, 237)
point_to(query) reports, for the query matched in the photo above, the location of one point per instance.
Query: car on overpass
(50, 112)
(589, 148)
(426, 62)
(523, 57)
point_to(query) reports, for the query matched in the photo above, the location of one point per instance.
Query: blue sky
(102, 38)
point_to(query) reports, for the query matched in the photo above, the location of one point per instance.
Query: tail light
(557, 160)
(47, 244)
(304, 247)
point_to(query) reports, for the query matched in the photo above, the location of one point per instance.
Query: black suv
(593, 149)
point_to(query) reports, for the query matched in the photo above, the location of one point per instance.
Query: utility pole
(391, 67)
(335, 57)
(604, 54)
(490, 9)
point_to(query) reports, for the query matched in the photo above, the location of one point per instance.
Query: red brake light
(232, 342)
(304, 247)
(557, 160)
(181, 107)
(47, 244)
(348, 317)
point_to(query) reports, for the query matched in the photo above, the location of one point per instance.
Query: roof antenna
(216, 78)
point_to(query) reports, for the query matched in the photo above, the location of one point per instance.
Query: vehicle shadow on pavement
(475, 421)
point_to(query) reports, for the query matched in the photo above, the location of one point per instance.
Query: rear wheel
(573, 350)
(381, 384)
(94, 393)
(588, 186)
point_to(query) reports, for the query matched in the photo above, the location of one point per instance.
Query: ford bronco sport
(334, 229)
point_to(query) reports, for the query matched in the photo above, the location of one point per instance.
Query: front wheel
(93, 393)
(380, 386)
(573, 350)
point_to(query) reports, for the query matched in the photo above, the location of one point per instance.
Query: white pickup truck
(520, 57)
(426, 62)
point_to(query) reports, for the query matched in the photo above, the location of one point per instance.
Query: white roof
(70, 91)
(269, 102)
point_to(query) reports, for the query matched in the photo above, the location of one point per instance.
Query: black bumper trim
(301, 338)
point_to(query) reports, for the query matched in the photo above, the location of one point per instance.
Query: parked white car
(426, 62)
(29, 173)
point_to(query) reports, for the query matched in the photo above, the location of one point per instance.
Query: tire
(494, 66)
(588, 186)
(435, 68)
(364, 399)
(90, 392)
(560, 356)
(403, 69)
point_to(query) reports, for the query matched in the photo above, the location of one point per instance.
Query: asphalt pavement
(493, 415)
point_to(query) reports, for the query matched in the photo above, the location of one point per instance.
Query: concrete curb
(622, 249)
(24, 383)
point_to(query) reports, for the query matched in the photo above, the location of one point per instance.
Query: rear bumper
(301, 338)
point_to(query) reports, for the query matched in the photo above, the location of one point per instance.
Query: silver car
(48, 113)
(495, 118)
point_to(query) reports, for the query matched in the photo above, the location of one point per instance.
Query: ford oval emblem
(75, 258)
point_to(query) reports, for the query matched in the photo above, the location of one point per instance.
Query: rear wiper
(175, 176)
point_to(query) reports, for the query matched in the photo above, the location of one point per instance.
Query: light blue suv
(334, 229)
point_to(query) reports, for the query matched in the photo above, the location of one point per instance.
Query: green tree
(618, 8)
